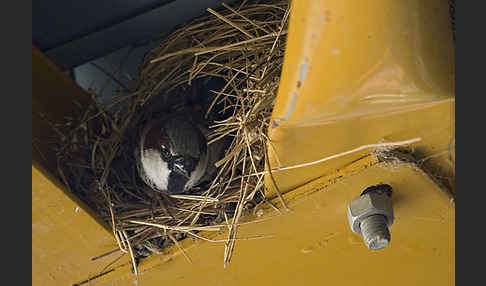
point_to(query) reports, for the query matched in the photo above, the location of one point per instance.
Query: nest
(244, 47)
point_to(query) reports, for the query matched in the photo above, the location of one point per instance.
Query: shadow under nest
(226, 65)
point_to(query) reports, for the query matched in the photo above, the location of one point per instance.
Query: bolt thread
(375, 232)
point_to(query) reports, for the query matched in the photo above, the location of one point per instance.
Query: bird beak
(181, 172)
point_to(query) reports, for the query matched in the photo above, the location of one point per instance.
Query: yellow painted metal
(312, 244)
(64, 236)
(357, 72)
(65, 232)
(53, 97)
(354, 73)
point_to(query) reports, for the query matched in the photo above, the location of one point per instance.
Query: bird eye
(164, 153)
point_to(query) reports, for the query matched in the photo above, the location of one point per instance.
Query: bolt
(371, 214)
(375, 232)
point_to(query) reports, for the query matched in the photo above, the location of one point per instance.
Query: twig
(277, 190)
(105, 254)
(180, 248)
(134, 262)
(221, 17)
(238, 44)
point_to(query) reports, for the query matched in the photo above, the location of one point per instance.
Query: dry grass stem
(134, 262)
(180, 248)
(242, 46)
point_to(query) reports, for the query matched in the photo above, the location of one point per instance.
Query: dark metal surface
(57, 22)
(73, 33)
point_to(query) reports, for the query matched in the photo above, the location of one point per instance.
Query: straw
(244, 46)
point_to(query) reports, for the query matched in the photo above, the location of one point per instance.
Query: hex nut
(367, 205)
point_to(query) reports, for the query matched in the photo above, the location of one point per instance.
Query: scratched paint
(293, 98)
(303, 70)
(292, 106)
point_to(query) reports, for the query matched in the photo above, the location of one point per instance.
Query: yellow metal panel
(65, 232)
(53, 97)
(312, 245)
(64, 236)
(356, 72)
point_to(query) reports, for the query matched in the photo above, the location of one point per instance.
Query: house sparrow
(173, 155)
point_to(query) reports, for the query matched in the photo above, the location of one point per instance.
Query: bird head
(171, 154)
